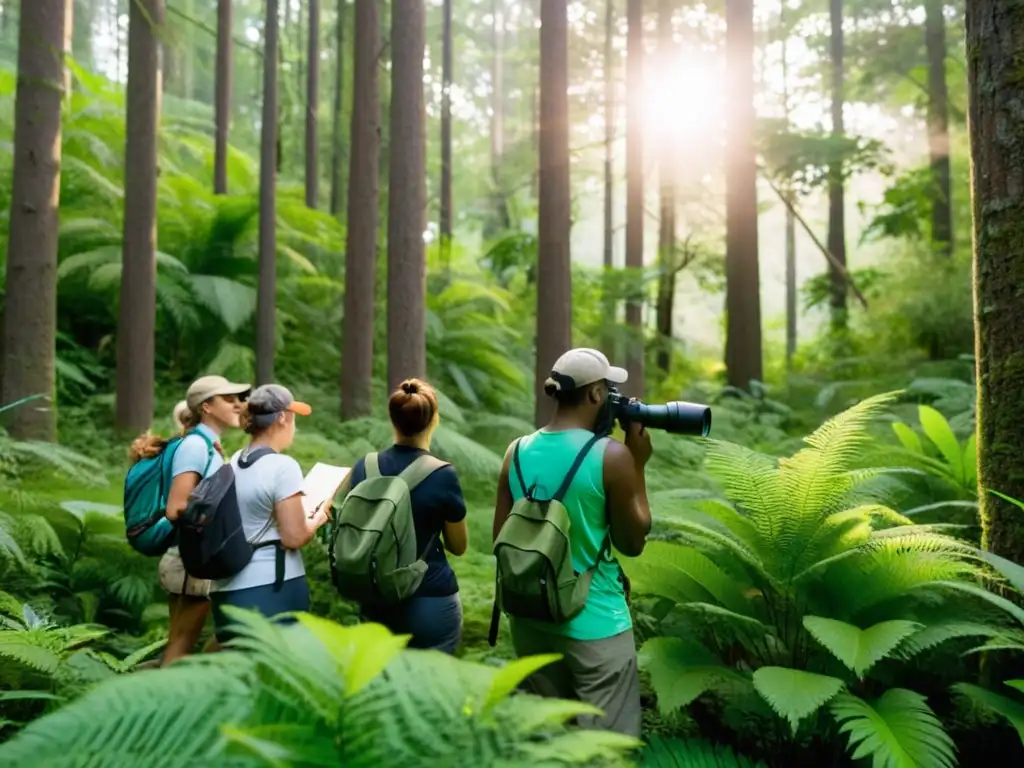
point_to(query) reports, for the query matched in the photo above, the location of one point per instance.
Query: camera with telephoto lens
(677, 418)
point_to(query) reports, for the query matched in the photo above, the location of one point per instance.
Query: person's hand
(638, 440)
(326, 507)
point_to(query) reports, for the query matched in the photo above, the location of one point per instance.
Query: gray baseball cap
(273, 398)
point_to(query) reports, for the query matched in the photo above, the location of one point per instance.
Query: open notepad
(320, 485)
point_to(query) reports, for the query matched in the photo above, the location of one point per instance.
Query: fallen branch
(832, 260)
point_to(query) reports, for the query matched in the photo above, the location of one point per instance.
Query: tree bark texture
(361, 244)
(222, 98)
(30, 302)
(137, 316)
(313, 106)
(938, 127)
(836, 192)
(554, 267)
(667, 206)
(743, 294)
(445, 224)
(266, 295)
(635, 192)
(407, 195)
(337, 141)
(995, 50)
(610, 308)
(503, 219)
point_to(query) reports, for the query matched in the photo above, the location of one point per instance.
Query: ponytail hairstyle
(412, 407)
(147, 445)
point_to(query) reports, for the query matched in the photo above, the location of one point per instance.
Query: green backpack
(535, 575)
(372, 552)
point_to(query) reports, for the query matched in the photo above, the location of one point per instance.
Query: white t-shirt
(271, 479)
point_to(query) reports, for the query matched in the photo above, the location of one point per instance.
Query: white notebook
(320, 484)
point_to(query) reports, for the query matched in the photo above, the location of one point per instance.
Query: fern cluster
(800, 589)
(316, 693)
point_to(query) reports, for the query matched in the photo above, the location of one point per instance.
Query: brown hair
(255, 423)
(412, 407)
(147, 444)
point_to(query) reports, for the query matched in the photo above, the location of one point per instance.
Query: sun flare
(685, 97)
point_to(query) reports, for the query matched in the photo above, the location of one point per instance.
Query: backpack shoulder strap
(519, 469)
(421, 469)
(370, 466)
(247, 460)
(564, 489)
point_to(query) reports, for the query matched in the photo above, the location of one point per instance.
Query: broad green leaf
(1009, 570)
(859, 649)
(682, 670)
(939, 432)
(908, 437)
(513, 673)
(971, 461)
(363, 651)
(285, 744)
(793, 693)
(1002, 705)
(898, 730)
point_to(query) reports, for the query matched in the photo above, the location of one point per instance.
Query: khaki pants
(174, 579)
(599, 672)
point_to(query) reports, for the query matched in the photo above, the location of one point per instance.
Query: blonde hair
(148, 445)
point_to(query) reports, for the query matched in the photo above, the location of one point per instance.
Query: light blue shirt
(193, 455)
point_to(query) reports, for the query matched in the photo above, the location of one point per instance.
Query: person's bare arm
(177, 498)
(626, 491)
(456, 537)
(503, 503)
(295, 528)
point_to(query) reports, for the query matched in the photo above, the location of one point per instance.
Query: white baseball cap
(582, 366)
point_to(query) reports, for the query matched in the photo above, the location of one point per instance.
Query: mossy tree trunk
(270, 157)
(995, 52)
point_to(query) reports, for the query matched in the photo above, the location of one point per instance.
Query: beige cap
(582, 366)
(204, 388)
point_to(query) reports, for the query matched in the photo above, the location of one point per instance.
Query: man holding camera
(572, 465)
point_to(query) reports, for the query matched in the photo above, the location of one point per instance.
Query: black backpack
(211, 539)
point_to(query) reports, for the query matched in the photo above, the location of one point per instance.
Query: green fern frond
(933, 636)
(684, 574)
(693, 753)
(859, 649)
(1011, 709)
(899, 730)
(681, 670)
(793, 693)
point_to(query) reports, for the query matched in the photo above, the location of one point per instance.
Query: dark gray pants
(435, 623)
(599, 672)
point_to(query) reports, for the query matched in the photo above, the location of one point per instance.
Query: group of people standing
(605, 499)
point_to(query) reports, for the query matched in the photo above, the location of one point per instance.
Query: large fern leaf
(681, 670)
(793, 693)
(1011, 709)
(899, 730)
(859, 649)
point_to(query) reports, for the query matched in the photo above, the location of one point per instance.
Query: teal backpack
(146, 487)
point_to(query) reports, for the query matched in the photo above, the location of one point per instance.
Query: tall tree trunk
(610, 310)
(361, 244)
(938, 127)
(743, 293)
(501, 211)
(791, 290)
(407, 268)
(30, 311)
(337, 185)
(635, 192)
(994, 32)
(554, 265)
(313, 106)
(137, 318)
(445, 223)
(836, 203)
(69, 38)
(667, 215)
(266, 297)
(225, 73)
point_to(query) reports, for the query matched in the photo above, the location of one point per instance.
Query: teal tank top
(545, 458)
